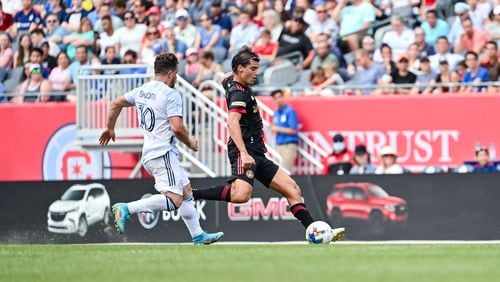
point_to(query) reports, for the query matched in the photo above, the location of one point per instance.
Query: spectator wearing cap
(425, 77)
(402, 75)
(286, 127)
(462, 11)
(197, 9)
(184, 30)
(355, 20)
(105, 11)
(140, 9)
(294, 39)
(340, 160)
(35, 88)
(175, 46)
(362, 161)
(443, 54)
(388, 165)
(129, 37)
(220, 18)
(475, 74)
(244, 33)
(434, 27)
(399, 38)
(471, 39)
(323, 56)
(6, 19)
(154, 15)
(483, 161)
(368, 72)
(424, 48)
(324, 24)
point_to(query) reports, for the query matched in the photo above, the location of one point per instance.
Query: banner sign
(401, 207)
(434, 129)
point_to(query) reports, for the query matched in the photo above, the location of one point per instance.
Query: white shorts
(168, 173)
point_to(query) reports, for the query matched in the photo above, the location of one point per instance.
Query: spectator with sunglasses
(35, 88)
(129, 37)
(483, 161)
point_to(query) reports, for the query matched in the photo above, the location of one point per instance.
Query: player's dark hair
(165, 62)
(244, 57)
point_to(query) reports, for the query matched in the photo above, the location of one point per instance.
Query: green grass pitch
(251, 262)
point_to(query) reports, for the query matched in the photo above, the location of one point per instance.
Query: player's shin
(216, 193)
(156, 202)
(301, 212)
(190, 216)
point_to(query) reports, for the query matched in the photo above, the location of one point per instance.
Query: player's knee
(241, 197)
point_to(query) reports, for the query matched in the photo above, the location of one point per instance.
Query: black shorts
(264, 169)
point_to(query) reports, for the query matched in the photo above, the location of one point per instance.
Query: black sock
(302, 214)
(217, 193)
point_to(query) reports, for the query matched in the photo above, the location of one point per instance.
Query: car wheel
(105, 219)
(377, 224)
(336, 217)
(82, 226)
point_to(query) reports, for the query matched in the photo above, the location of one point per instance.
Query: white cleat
(338, 233)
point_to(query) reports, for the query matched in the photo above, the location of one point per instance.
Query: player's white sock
(190, 216)
(157, 202)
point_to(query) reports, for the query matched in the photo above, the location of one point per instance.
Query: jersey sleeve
(238, 102)
(130, 96)
(174, 104)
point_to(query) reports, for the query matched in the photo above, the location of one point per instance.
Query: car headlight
(390, 207)
(72, 210)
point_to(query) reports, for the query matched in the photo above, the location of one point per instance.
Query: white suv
(79, 207)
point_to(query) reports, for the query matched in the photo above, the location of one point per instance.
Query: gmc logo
(255, 209)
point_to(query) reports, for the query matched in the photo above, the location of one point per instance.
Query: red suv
(365, 202)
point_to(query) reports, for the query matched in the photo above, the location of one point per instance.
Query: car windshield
(378, 192)
(73, 195)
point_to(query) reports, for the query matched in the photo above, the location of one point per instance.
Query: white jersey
(155, 103)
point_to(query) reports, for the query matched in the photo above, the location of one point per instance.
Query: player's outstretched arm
(114, 111)
(181, 132)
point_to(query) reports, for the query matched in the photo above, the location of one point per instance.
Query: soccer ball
(319, 232)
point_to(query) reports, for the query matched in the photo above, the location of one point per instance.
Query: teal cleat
(207, 238)
(121, 214)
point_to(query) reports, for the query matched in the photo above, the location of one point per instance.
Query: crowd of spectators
(375, 47)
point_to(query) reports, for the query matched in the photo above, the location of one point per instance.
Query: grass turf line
(335, 262)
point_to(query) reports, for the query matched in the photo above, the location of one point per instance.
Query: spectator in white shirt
(443, 54)
(185, 31)
(129, 37)
(388, 165)
(399, 38)
(245, 33)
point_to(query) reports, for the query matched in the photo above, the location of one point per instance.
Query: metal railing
(205, 120)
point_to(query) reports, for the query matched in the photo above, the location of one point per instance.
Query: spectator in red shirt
(340, 161)
(6, 20)
(265, 47)
(472, 39)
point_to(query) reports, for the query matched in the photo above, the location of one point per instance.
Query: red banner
(38, 143)
(435, 129)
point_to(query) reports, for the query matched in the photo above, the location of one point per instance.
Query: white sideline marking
(393, 242)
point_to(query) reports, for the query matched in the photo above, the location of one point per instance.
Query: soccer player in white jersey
(159, 108)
